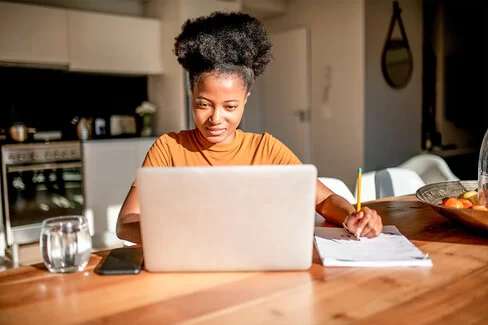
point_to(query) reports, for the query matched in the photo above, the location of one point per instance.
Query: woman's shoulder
(264, 138)
(256, 136)
(176, 137)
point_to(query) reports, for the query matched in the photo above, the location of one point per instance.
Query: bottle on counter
(483, 172)
(84, 128)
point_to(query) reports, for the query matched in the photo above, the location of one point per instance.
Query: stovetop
(40, 152)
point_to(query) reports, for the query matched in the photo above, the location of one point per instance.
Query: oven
(39, 181)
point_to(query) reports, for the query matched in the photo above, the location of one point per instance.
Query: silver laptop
(228, 218)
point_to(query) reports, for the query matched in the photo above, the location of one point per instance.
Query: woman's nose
(215, 117)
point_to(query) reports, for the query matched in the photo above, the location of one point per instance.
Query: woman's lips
(216, 132)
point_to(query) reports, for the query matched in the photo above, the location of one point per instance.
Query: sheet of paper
(337, 247)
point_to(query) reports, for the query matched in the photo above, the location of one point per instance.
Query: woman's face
(218, 105)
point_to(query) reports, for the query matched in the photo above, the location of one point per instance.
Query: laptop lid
(227, 218)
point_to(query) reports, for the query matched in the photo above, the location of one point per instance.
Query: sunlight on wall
(112, 214)
(89, 215)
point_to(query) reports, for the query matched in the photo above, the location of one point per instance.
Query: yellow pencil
(358, 194)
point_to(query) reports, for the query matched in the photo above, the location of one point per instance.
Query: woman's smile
(216, 131)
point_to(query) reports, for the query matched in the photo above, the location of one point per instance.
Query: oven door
(37, 192)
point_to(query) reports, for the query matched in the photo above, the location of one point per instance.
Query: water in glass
(483, 172)
(65, 243)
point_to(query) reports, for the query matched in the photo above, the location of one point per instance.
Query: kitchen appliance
(99, 127)
(122, 125)
(20, 132)
(48, 136)
(39, 181)
(3, 134)
(84, 128)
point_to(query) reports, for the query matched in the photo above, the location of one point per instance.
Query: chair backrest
(431, 168)
(389, 182)
(338, 187)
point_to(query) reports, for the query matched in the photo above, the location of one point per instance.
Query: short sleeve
(279, 153)
(158, 155)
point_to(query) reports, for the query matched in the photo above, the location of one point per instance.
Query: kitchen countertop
(4, 141)
(122, 138)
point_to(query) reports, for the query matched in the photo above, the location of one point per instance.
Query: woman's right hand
(365, 223)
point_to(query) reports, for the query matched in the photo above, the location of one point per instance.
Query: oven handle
(44, 167)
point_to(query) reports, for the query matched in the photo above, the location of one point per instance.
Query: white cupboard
(86, 41)
(33, 34)
(109, 168)
(109, 43)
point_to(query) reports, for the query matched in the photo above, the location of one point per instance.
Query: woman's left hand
(365, 223)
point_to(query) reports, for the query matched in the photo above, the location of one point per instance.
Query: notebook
(337, 247)
(227, 218)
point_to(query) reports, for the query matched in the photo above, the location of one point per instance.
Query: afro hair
(226, 43)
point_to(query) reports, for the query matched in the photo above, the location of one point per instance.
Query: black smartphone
(124, 260)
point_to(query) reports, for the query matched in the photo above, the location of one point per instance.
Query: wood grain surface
(453, 291)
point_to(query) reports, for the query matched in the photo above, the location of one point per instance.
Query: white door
(286, 92)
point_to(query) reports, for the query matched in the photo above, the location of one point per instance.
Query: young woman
(224, 53)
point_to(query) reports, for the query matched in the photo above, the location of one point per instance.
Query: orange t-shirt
(189, 148)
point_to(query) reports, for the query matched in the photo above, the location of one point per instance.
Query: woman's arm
(331, 206)
(339, 211)
(128, 226)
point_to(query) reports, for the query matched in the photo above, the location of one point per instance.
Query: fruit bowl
(433, 194)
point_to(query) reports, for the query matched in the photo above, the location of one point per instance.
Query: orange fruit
(479, 207)
(472, 196)
(452, 202)
(466, 203)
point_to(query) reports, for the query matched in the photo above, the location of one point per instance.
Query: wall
(336, 42)
(253, 118)
(393, 117)
(48, 100)
(359, 126)
(122, 7)
(166, 91)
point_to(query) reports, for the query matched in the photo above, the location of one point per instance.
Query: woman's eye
(202, 104)
(231, 108)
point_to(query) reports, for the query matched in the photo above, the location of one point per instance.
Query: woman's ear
(247, 96)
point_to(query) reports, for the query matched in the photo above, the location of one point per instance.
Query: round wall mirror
(396, 59)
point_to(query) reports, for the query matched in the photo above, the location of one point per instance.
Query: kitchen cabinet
(190, 9)
(109, 168)
(110, 43)
(33, 34)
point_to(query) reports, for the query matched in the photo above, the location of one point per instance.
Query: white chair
(388, 182)
(431, 168)
(338, 187)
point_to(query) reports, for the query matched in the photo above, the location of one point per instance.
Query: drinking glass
(65, 243)
(483, 172)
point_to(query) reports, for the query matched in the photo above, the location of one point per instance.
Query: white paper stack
(337, 247)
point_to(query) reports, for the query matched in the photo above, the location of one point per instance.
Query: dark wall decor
(396, 58)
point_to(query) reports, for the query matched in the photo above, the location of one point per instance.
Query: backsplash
(49, 99)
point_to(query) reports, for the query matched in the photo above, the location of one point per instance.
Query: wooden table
(453, 291)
